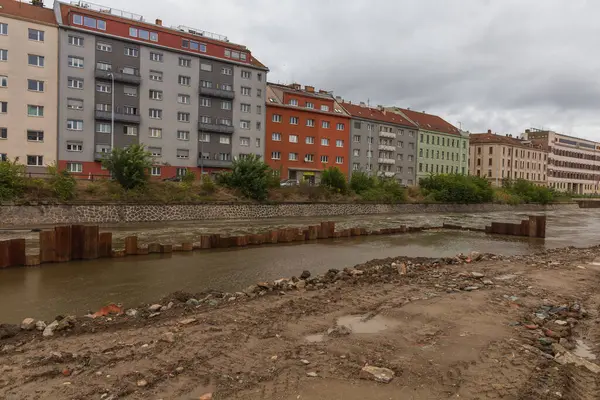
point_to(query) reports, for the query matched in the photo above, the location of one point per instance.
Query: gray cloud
(505, 65)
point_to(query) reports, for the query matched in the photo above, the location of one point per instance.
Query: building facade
(573, 163)
(28, 85)
(307, 132)
(382, 143)
(441, 147)
(178, 91)
(500, 158)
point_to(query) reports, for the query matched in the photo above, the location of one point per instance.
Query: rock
(531, 326)
(305, 362)
(170, 305)
(49, 330)
(560, 322)
(187, 321)
(169, 337)
(301, 284)
(477, 275)
(475, 255)
(280, 282)
(155, 314)
(305, 274)
(563, 356)
(487, 282)
(382, 375)
(132, 312)
(40, 325)
(544, 341)
(206, 396)
(7, 331)
(142, 383)
(338, 331)
(192, 302)
(66, 323)
(28, 324)
(356, 272)
(470, 288)
(179, 370)
(312, 374)
(154, 307)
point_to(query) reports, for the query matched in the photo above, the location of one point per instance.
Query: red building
(307, 132)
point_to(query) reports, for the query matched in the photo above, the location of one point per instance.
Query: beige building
(573, 163)
(499, 157)
(28, 84)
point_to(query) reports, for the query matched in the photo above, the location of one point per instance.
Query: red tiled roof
(483, 138)
(28, 12)
(430, 122)
(376, 114)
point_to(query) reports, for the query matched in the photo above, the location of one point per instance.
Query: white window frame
(74, 146)
(39, 110)
(340, 126)
(339, 143)
(103, 88)
(103, 127)
(185, 62)
(183, 117)
(324, 159)
(101, 46)
(294, 120)
(309, 140)
(310, 122)
(75, 167)
(156, 57)
(74, 124)
(155, 171)
(156, 74)
(223, 139)
(184, 80)
(275, 155)
(276, 137)
(226, 71)
(76, 41)
(75, 62)
(39, 35)
(75, 83)
(325, 142)
(293, 138)
(183, 98)
(41, 60)
(245, 141)
(325, 124)
(244, 124)
(183, 135)
(156, 94)
(155, 113)
(131, 51)
(339, 160)
(293, 156)
(276, 118)
(39, 160)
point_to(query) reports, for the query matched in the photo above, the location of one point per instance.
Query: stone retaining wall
(13, 216)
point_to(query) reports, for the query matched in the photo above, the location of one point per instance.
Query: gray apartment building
(194, 99)
(382, 143)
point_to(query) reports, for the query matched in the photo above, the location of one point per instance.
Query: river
(76, 287)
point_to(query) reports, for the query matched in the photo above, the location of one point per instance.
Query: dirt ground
(444, 331)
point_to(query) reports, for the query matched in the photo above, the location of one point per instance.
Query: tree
(334, 178)
(249, 175)
(129, 166)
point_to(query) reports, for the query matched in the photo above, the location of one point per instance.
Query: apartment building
(181, 92)
(307, 132)
(500, 157)
(573, 163)
(382, 143)
(441, 147)
(28, 85)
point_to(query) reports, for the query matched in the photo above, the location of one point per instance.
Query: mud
(471, 327)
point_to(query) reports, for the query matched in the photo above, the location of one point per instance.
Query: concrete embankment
(19, 216)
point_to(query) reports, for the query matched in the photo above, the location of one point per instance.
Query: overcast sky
(504, 65)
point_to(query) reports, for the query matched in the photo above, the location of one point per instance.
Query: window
(75, 104)
(325, 124)
(356, 153)
(309, 105)
(181, 171)
(205, 102)
(74, 167)
(324, 108)
(104, 47)
(158, 57)
(184, 80)
(183, 135)
(339, 143)
(293, 102)
(35, 161)
(324, 159)
(310, 122)
(340, 127)
(356, 138)
(224, 139)
(339, 160)
(259, 109)
(206, 84)
(103, 107)
(206, 67)
(183, 117)
(324, 142)
(258, 125)
(102, 127)
(246, 74)
(245, 141)
(36, 35)
(38, 61)
(276, 137)
(293, 156)
(35, 136)
(226, 71)
(155, 133)
(104, 66)
(246, 91)
(245, 124)
(245, 108)
(77, 125)
(155, 171)
(276, 118)
(155, 113)
(3, 29)
(130, 130)
(185, 62)
(155, 151)
(225, 105)
(76, 41)
(294, 120)
(258, 75)
(183, 98)
(309, 158)
(3, 55)
(130, 91)
(258, 92)
(32, 111)
(275, 155)
(75, 83)
(293, 138)
(74, 146)
(156, 94)
(156, 76)
(204, 137)
(183, 153)
(4, 81)
(103, 88)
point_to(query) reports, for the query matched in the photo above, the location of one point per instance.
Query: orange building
(307, 131)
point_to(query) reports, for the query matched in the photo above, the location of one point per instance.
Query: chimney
(38, 3)
(489, 131)
(158, 22)
(323, 91)
(309, 89)
(527, 131)
(362, 104)
(339, 99)
(296, 86)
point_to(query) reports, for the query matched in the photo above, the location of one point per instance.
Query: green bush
(384, 191)
(63, 184)
(129, 166)
(249, 175)
(274, 180)
(361, 182)
(12, 179)
(529, 192)
(188, 178)
(208, 186)
(334, 179)
(456, 188)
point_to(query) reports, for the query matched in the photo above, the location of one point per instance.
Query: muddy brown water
(77, 287)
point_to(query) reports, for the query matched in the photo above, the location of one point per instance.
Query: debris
(154, 307)
(305, 362)
(312, 374)
(563, 356)
(487, 282)
(470, 288)
(49, 330)
(305, 275)
(192, 302)
(40, 325)
(107, 310)
(206, 396)
(132, 312)
(142, 383)
(560, 322)
(169, 337)
(187, 321)
(382, 375)
(477, 275)
(28, 324)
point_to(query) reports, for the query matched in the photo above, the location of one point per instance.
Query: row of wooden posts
(86, 242)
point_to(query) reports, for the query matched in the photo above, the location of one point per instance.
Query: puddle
(366, 323)
(315, 338)
(583, 350)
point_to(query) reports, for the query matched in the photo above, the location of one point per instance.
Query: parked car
(288, 183)
(173, 179)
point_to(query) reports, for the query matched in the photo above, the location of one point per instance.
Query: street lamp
(112, 111)
(201, 155)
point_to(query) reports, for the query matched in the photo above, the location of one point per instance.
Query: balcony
(389, 174)
(214, 163)
(203, 127)
(99, 156)
(220, 93)
(385, 147)
(119, 116)
(120, 76)
(388, 135)
(386, 161)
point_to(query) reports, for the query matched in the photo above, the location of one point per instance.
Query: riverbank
(470, 326)
(13, 216)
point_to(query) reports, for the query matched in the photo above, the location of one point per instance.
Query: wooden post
(215, 241)
(62, 237)
(77, 232)
(90, 242)
(47, 247)
(142, 250)
(105, 244)
(17, 252)
(541, 226)
(4, 253)
(331, 228)
(533, 226)
(131, 245)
